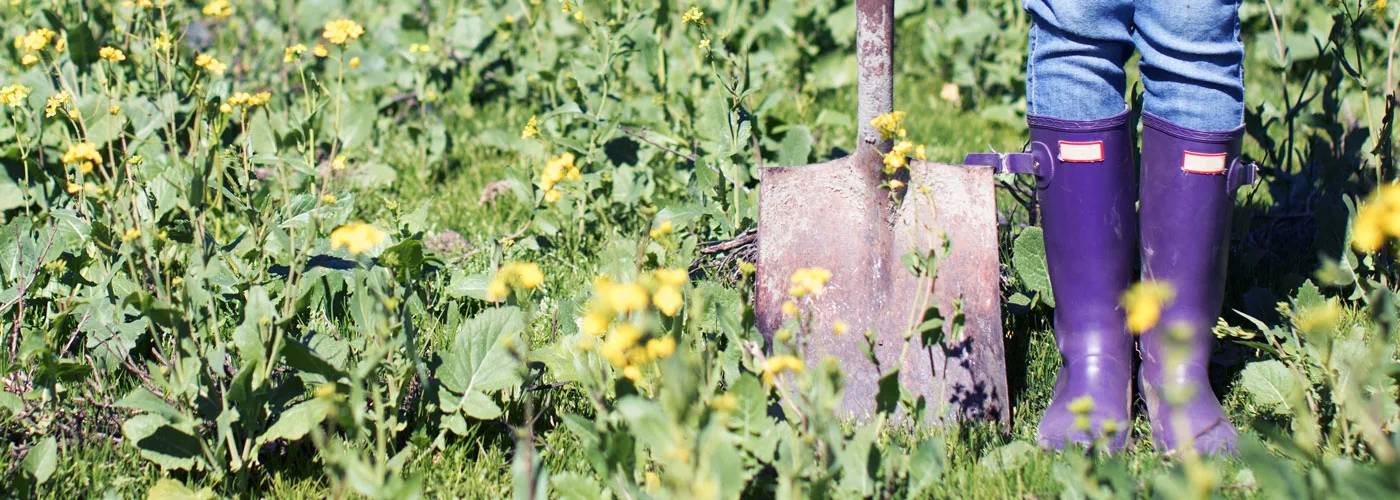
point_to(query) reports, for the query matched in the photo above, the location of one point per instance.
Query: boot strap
(1240, 174)
(1035, 160)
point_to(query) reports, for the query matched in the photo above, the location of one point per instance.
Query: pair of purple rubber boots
(1100, 225)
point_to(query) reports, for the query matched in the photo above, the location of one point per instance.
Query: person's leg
(1079, 126)
(1191, 67)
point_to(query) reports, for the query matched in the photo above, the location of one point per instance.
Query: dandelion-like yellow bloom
(693, 15)
(517, 275)
(217, 9)
(354, 62)
(131, 234)
(556, 170)
(1144, 302)
(661, 348)
(342, 31)
(889, 125)
(668, 299)
(35, 40)
(111, 54)
(662, 229)
(56, 102)
(595, 323)
(210, 64)
(84, 155)
(532, 128)
(293, 52)
(248, 101)
(704, 45)
(14, 95)
(808, 281)
(777, 365)
(839, 328)
(624, 297)
(420, 48)
(1319, 319)
(357, 237)
(790, 308)
(320, 50)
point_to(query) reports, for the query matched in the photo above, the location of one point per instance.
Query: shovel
(837, 216)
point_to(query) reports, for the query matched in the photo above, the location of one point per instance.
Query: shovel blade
(836, 216)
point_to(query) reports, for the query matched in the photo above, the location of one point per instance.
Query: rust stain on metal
(836, 216)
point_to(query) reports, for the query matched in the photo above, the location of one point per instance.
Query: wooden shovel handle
(875, 60)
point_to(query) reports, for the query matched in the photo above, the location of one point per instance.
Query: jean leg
(1192, 62)
(1077, 49)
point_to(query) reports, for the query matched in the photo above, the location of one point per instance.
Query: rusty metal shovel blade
(836, 216)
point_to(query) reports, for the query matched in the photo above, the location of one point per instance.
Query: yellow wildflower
(672, 277)
(1144, 302)
(595, 323)
(889, 125)
(84, 155)
(328, 199)
(354, 62)
(210, 64)
(839, 328)
(514, 275)
(790, 308)
(661, 348)
(1366, 233)
(293, 52)
(14, 95)
(342, 31)
(724, 403)
(808, 281)
(131, 234)
(419, 48)
(357, 237)
(668, 299)
(693, 15)
(320, 50)
(704, 45)
(1320, 318)
(532, 128)
(217, 9)
(35, 40)
(777, 365)
(56, 102)
(662, 229)
(28, 59)
(631, 372)
(624, 297)
(552, 195)
(111, 54)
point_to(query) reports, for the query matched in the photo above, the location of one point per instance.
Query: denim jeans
(1192, 64)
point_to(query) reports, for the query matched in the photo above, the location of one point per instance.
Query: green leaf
(796, 146)
(477, 364)
(297, 421)
(170, 489)
(1270, 385)
(575, 486)
(42, 459)
(887, 398)
(162, 443)
(926, 465)
(143, 400)
(1028, 257)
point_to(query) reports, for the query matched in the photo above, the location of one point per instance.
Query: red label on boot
(1203, 163)
(1081, 151)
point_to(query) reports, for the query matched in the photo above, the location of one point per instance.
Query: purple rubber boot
(1087, 201)
(1188, 183)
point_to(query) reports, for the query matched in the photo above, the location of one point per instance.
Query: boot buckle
(1240, 174)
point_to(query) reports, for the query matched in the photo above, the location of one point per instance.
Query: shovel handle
(875, 63)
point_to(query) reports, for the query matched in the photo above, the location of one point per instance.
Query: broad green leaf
(41, 459)
(1028, 257)
(575, 486)
(796, 146)
(1270, 385)
(170, 489)
(162, 443)
(298, 420)
(477, 364)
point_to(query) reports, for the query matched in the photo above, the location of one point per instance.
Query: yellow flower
(210, 64)
(320, 50)
(1144, 302)
(1366, 233)
(341, 31)
(672, 277)
(595, 323)
(777, 365)
(808, 281)
(704, 44)
(1319, 319)
(354, 62)
(1082, 405)
(328, 199)
(661, 348)
(13, 95)
(889, 125)
(668, 300)
(293, 52)
(248, 101)
(56, 102)
(131, 234)
(111, 54)
(839, 328)
(35, 40)
(532, 128)
(520, 275)
(552, 195)
(419, 48)
(84, 155)
(662, 229)
(790, 308)
(28, 59)
(217, 9)
(693, 15)
(898, 157)
(632, 373)
(625, 297)
(725, 403)
(357, 237)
